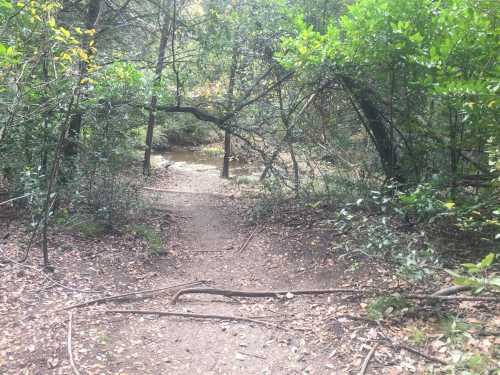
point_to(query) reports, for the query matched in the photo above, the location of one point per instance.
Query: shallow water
(202, 162)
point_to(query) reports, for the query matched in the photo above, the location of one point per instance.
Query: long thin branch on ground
(367, 360)
(451, 298)
(118, 297)
(192, 316)
(263, 293)
(421, 354)
(70, 351)
(275, 294)
(245, 244)
(187, 192)
(15, 199)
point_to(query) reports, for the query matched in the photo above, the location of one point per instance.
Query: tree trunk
(296, 172)
(75, 126)
(230, 98)
(375, 125)
(146, 168)
(227, 154)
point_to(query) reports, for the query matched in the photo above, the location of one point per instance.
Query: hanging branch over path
(194, 316)
(220, 120)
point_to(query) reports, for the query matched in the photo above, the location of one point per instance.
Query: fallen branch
(266, 293)
(193, 316)
(451, 298)
(367, 360)
(15, 199)
(188, 192)
(210, 251)
(245, 244)
(70, 351)
(448, 291)
(122, 296)
(421, 354)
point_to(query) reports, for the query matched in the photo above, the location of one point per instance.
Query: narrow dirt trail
(205, 239)
(204, 225)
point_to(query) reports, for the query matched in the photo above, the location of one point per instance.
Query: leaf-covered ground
(196, 232)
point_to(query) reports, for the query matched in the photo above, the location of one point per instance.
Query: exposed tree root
(451, 298)
(119, 297)
(276, 294)
(193, 316)
(264, 293)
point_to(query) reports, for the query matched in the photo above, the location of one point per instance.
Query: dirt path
(205, 225)
(205, 241)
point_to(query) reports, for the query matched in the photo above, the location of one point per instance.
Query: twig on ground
(252, 355)
(245, 244)
(117, 297)
(367, 360)
(264, 293)
(70, 351)
(190, 315)
(393, 344)
(210, 251)
(421, 354)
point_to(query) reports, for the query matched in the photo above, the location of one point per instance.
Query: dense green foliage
(334, 99)
(425, 72)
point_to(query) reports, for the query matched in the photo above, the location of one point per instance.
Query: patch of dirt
(209, 224)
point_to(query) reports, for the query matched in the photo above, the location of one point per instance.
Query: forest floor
(209, 239)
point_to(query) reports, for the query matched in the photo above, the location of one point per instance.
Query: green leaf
(5, 4)
(416, 38)
(487, 261)
(471, 267)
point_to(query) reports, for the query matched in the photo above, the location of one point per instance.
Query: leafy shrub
(151, 236)
(385, 306)
(478, 276)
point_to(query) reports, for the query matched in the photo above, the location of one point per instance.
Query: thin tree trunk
(75, 125)
(296, 172)
(452, 121)
(230, 94)
(58, 155)
(46, 119)
(375, 126)
(227, 154)
(146, 169)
